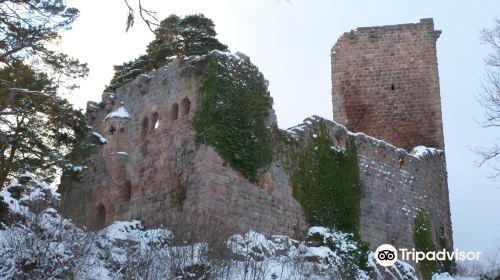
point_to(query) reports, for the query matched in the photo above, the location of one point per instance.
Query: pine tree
(38, 128)
(25, 29)
(175, 37)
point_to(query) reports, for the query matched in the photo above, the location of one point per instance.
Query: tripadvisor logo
(387, 255)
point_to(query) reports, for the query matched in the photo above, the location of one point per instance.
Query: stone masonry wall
(395, 184)
(388, 75)
(152, 169)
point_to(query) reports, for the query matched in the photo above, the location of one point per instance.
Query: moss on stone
(231, 115)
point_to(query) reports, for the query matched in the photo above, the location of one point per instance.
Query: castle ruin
(385, 84)
(389, 75)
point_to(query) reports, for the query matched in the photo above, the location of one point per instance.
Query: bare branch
(490, 97)
(149, 17)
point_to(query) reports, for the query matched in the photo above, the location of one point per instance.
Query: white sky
(290, 43)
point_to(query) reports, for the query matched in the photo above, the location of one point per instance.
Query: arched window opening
(186, 106)
(155, 121)
(174, 112)
(126, 192)
(122, 130)
(100, 219)
(145, 127)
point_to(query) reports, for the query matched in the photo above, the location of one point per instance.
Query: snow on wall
(151, 156)
(394, 186)
(385, 83)
(162, 161)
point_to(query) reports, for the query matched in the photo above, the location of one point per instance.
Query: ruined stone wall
(385, 83)
(152, 169)
(395, 185)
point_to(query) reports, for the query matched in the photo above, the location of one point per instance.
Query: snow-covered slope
(38, 243)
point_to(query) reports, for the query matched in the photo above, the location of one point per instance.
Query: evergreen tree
(175, 37)
(38, 128)
(25, 29)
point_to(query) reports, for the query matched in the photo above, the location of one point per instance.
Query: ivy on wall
(326, 183)
(424, 243)
(177, 197)
(446, 265)
(231, 115)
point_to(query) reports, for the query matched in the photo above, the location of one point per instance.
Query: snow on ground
(42, 244)
(446, 276)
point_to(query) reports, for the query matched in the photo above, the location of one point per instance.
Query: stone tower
(152, 168)
(385, 84)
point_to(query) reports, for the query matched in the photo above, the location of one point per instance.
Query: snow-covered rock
(44, 245)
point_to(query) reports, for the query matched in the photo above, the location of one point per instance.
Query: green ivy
(424, 243)
(447, 265)
(326, 183)
(231, 115)
(179, 196)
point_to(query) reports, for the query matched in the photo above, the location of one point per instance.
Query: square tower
(385, 83)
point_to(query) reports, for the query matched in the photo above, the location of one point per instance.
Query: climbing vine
(446, 265)
(231, 115)
(177, 197)
(424, 243)
(326, 183)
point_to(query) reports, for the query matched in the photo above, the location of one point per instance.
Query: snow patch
(446, 276)
(120, 113)
(421, 151)
(101, 138)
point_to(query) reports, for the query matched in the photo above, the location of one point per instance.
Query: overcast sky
(291, 42)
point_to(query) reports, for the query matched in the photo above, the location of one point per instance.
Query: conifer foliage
(38, 128)
(27, 26)
(175, 37)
